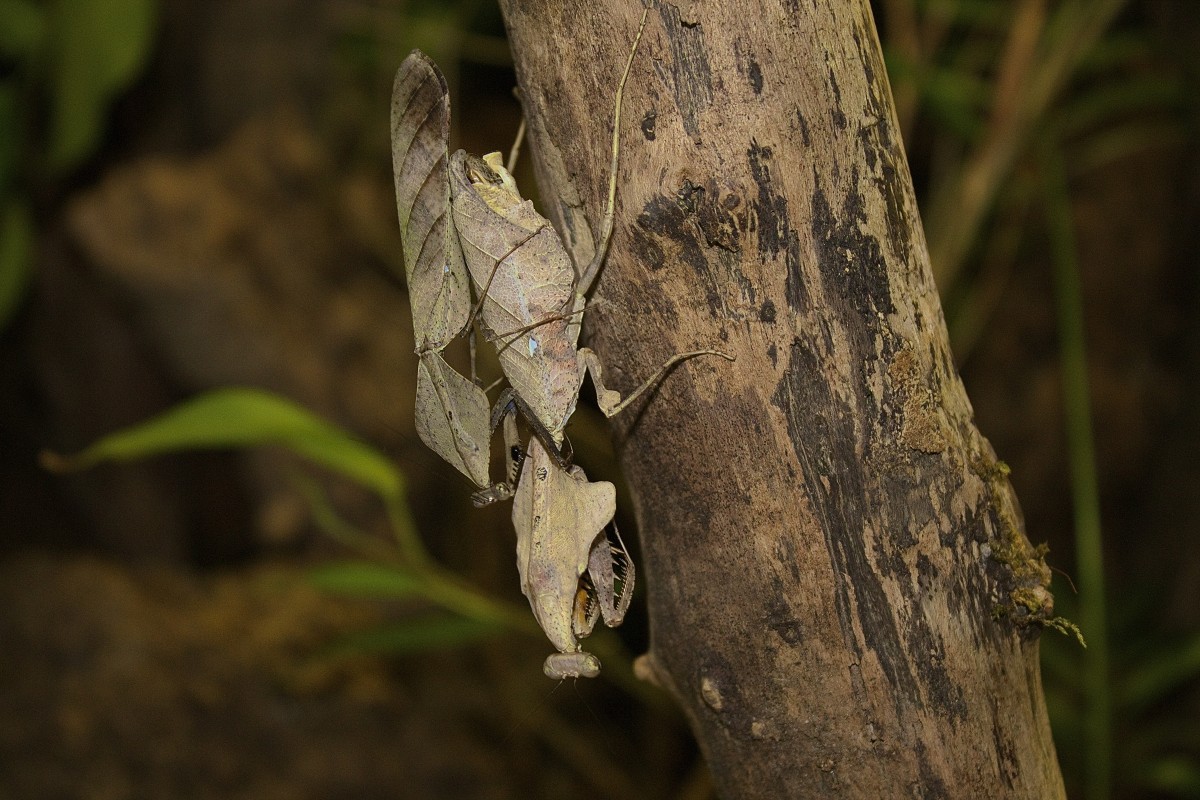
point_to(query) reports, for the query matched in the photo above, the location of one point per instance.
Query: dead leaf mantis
(464, 216)
(452, 412)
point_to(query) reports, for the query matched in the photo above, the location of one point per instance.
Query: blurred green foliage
(240, 418)
(1156, 750)
(62, 63)
(244, 417)
(981, 88)
(1011, 102)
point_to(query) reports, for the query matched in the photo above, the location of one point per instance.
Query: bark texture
(841, 593)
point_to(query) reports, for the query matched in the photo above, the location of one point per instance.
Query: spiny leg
(606, 225)
(508, 402)
(608, 563)
(515, 458)
(610, 402)
(503, 407)
(513, 449)
(507, 405)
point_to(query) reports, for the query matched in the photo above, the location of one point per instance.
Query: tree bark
(841, 593)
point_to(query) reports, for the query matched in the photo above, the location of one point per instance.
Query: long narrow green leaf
(1154, 679)
(16, 253)
(240, 417)
(419, 635)
(364, 579)
(1085, 491)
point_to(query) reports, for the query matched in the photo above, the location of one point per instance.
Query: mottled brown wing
(453, 418)
(438, 286)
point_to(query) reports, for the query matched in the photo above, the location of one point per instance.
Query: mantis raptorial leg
(516, 457)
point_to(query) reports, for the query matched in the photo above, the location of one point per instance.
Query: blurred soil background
(198, 195)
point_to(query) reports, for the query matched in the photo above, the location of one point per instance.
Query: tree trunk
(841, 593)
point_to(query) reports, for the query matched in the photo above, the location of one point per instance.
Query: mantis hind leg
(610, 401)
(588, 276)
(516, 147)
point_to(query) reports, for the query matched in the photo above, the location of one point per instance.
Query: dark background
(198, 195)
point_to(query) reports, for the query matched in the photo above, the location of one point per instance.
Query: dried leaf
(453, 417)
(433, 262)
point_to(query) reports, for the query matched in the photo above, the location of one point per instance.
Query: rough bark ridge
(842, 597)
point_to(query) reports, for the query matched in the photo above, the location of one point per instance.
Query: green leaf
(418, 635)
(1154, 679)
(16, 253)
(99, 47)
(957, 99)
(364, 579)
(1133, 97)
(1178, 776)
(22, 28)
(240, 417)
(12, 133)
